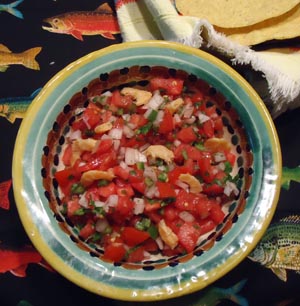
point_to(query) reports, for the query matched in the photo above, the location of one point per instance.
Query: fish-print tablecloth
(25, 279)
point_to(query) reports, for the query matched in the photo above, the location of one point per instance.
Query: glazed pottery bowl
(42, 135)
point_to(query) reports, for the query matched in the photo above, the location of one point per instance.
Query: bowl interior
(42, 136)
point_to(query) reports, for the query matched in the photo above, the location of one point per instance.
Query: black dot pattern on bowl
(212, 91)
(104, 77)
(246, 194)
(240, 161)
(58, 218)
(46, 150)
(230, 129)
(234, 140)
(124, 71)
(67, 109)
(47, 195)
(56, 127)
(44, 173)
(84, 91)
(54, 147)
(227, 105)
(192, 78)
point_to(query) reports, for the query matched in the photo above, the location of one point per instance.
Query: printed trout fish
(279, 249)
(102, 21)
(214, 295)
(288, 175)
(16, 107)
(17, 261)
(4, 190)
(11, 8)
(26, 58)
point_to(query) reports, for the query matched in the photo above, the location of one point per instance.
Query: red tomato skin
(167, 124)
(172, 86)
(91, 116)
(125, 206)
(87, 230)
(114, 252)
(132, 236)
(216, 214)
(121, 172)
(188, 235)
(72, 207)
(67, 155)
(106, 191)
(187, 135)
(136, 255)
(165, 190)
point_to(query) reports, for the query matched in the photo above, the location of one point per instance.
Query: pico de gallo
(146, 170)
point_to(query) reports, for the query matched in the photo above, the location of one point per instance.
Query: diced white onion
(139, 206)
(156, 100)
(128, 132)
(86, 122)
(144, 147)
(177, 143)
(99, 203)
(115, 133)
(229, 188)
(191, 120)
(116, 144)
(188, 110)
(107, 94)
(159, 117)
(75, 135)
(112, 200)
(132, 156)
(182, 185)
(83, 201)
(203, 118)
(159, 243)
(126, 117)
(219, 157)
(101, 225)
(151, 192)
(186, 216)
(150, 172)
(177, 118)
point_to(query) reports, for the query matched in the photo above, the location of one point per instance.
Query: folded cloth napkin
(159, 20)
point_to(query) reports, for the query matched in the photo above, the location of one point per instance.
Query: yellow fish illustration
(26, 58)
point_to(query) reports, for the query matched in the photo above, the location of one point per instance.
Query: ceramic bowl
(39, 143)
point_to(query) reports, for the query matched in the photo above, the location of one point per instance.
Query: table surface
(43, 287)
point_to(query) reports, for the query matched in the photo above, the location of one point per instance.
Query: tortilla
(282, 27)
(235, 13)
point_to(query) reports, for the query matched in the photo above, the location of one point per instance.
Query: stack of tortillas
(248, 22)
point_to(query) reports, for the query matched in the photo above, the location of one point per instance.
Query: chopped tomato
(106, 191)
(87, 230)
(121, 172)
(171, 86)
(125, 206)
(133, 236)
(187, 135)
(119, 100)
(165, 190)
(92, 116)
(188, 235)
(114, 252)
(67, 156)
(72, 207)
(167, 123)
(136, 254)
(216, 213)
